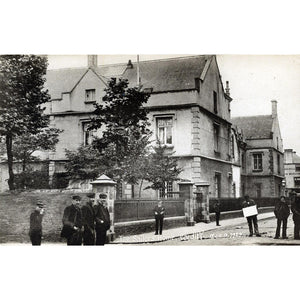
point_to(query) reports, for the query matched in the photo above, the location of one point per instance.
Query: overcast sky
(254, 81)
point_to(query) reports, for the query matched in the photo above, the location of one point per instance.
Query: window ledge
(90, 102)
(257, 171)
(165, 145)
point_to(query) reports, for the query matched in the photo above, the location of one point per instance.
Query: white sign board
(250, 211)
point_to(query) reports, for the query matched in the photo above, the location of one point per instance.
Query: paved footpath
(174, 233)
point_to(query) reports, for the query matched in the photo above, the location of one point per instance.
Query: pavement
(184, 232)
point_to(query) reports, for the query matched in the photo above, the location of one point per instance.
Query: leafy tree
(84, 163)
(22, 94)
(162, 167)
(124, 124)
(25, 145)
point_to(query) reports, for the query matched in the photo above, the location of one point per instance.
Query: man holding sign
(250, 212)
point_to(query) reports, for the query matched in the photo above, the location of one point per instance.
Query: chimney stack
(227, 90)
(92, 61)
(274, 108)
(288, 156)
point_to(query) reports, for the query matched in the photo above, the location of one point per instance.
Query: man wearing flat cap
(88, 219)
(102, 219)
(36, 218)
(72, 223)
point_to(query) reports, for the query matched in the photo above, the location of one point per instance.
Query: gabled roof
(169, 74)
(63, 80)
(296, 159)
(163, 75)
(255, 127)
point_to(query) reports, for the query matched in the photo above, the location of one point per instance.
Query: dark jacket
(217, 207)
(36, 223)
(159, 212)
(88, 217)
(296, 210)
(72, 217)
(282, 210)
(248, 203)
(102, 218)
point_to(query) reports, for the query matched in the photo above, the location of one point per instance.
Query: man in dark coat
(252, 219)
(282, 212)
(72, 223)
(296, 216)
(102, 220)
(88, 220)
(159, 213)
(36, 218)
(217, 209)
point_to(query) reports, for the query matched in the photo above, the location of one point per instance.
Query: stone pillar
(186, 192)
(202, 194)
(104, 184)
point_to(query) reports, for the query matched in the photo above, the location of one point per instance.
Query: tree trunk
(140, 191)
(11, 178)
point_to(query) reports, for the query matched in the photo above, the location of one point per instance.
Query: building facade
(262, 166)
(292, 171)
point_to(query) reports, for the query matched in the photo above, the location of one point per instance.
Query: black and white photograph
(150, 150)
(165, 132)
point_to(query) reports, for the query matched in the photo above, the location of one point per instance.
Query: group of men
(87, 224)
(281, 211)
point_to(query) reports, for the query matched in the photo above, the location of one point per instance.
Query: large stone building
(188, 109)
(262, 164)
(292, 171)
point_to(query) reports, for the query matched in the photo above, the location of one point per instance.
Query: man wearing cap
(102, 219)
(72, 223)
(36, 218)
(252, 219)
(88, 219)
(159, 213)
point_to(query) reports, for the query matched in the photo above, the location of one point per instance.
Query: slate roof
(170, 74)
(164, 75)
(296, 159)
(255, 127)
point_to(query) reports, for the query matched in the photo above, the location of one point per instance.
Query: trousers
(159, 223)
(296, 230)
(217, 218)
(284, 227)
(100, 237)
(250, 220)
(75, 239)
(36, 239)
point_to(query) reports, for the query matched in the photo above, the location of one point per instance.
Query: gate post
(203, 213)
(104, 184)
(186, 191)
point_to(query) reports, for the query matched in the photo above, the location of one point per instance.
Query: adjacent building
(262, 164)
(292, 171)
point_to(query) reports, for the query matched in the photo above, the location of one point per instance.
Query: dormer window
(90, 95)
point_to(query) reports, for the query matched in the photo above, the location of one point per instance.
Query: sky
(254, 81)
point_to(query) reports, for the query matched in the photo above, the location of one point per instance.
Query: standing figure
(72, 223)
(217, 209)
(159, 213)
(282, 212)
(252, 219)
(296, 216)
(36, 218)
(102, 220)
(88, 221)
